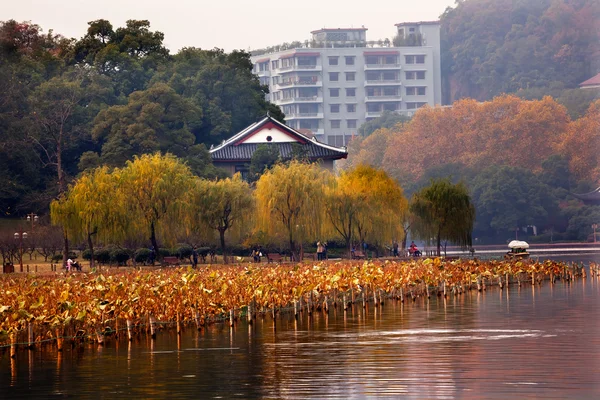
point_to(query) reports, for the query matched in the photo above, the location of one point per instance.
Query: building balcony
(384, 98)
(264, 73)
(311, 99)
(381, 82)
(287, 84)
(300, 115)
(294, 68)
(374, 114)
(382, 66)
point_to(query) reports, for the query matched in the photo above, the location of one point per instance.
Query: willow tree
(366, 201)
(289, 201)
(380, 217)
(89, 207)
(444, 211)
(224, 205)
(155, 188)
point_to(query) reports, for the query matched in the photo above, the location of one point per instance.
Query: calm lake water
(526, 342)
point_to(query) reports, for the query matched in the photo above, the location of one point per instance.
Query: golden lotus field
(41, 308)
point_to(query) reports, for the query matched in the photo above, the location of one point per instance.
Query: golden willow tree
(155, 190)
(290, 201)
(223, 206)
(365, 203)
(443, 212)
(90, 207)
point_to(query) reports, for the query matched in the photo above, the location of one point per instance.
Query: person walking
(319, 251)
(194, 257)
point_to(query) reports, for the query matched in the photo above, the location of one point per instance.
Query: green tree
(264, 158)
(444, 212)
(289, 201)
(223, 205)
(156, 119)
(387, 119)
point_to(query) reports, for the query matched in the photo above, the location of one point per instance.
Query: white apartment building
(337, 83)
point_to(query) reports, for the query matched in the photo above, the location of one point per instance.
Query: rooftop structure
(592, 83)
(234, 155)
(335, 83)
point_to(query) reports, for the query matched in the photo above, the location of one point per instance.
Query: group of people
(413, 250)
(72, 265)
(257, 254)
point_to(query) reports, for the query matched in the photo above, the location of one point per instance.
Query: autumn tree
(581, 145)
(90, 207)
(365, 203)
(224, 205)
(155, 190)
(444, 212)
(289, 201)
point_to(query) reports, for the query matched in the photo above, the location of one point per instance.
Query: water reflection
(541, 341)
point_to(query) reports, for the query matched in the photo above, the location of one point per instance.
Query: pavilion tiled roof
(234, 149)
(591, 197)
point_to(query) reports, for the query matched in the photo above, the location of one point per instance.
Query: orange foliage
(504, 131)
(582, 144)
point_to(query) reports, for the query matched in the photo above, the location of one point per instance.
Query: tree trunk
(153, 240)
(65, 247)
(222, 237)
(91, 246)
(439, 243)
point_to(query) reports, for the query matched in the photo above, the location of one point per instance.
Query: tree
(264, 157)
(60, 113)
(444, 212)
(289, 201)
(156, 119)
(365, 202)
(507, 198)
(581, 145)
(224, 204)
(387, 119)
(90, 207)
(155, 189)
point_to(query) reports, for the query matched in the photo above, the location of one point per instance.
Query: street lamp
(594, 227)
(20, 236)
(32, 217)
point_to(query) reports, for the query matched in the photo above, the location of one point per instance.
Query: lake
(541, 341)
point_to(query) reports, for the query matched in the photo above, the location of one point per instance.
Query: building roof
(238, 148)
(418, 23)
(339, 29)
(590, 198)
(593, 81)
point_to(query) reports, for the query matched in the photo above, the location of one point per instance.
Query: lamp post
(20, 236)
(32, 217)
(594, 227)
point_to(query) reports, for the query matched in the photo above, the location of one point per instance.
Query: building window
(333, 76)
(420, 74)
(411, 29)
(349, 60)
(409, 59)
(333, 60)
(335, 124)
(350, 76)
(274, 64)
(350, 92)
(410, 91)
(372, 59)
(421, 91)
(334, 92)
(411, 106)
(351, 108)
(351, 124)
(334, 108)
(420, 59)
(401, 32)
(410, 75)
(390, 60)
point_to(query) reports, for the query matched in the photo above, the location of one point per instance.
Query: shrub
(183, 251)
(120, 256)
(86, 254)
(164, 252)
(142, 255)
(102, 256)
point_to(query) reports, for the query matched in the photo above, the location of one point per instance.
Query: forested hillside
(67, 105)
(491, 47)
(521, 160)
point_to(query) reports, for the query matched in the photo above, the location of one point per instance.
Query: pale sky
(226, 24)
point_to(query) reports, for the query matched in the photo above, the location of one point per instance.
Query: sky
(226, 24)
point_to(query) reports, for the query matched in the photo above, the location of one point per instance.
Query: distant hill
(503, 46)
